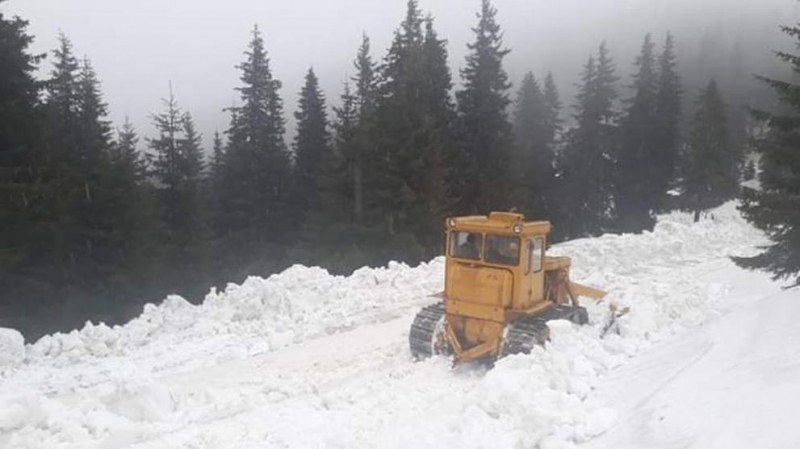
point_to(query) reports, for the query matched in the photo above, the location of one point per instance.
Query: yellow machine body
(487, 288)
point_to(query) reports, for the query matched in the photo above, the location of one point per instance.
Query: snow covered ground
(706, 358)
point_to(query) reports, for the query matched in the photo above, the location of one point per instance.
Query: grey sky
(138, 47)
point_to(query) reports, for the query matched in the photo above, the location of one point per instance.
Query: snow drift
(255, 365)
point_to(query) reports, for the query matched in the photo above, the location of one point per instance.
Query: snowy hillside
(304, 359)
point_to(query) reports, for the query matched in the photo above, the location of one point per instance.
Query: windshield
(466, 245)
(502, 250)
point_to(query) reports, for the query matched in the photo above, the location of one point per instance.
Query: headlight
(517, 228)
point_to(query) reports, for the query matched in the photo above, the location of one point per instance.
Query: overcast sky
(139, 46)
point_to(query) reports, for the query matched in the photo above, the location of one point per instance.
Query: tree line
(93, 227)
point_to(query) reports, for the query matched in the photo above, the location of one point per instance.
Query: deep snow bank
(299, 303)
(12, 348)
(101, 385)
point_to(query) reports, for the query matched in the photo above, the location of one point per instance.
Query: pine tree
(22, 229)
(533, 157)
(255, 223)
(552, 107)
(636, 193)
(711, 172)
(668, 118)
(311, 143)
(412, 131)
(436, 140)
(328, 229)
(217, 158)
(486, 136)
(360, 148)
(397, 119)
(587, 163)
(775, 207)
(133, 225)
(178, 169)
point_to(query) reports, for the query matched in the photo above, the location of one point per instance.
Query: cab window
(535, 254)
(502, 250)
(466, 245)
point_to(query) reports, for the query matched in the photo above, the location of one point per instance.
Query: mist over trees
(98, 222)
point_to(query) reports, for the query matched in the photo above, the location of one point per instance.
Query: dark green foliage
(535, 127)
(552, 107)
(178, 169)
(412, 130)
(711, 164)
(636, 195)
(775, 207)
(311, 144)
(20, 189)
(254, 221)
(587, 163)
(667, 137)
(480, 182)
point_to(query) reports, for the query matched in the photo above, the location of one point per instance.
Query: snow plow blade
(585, 290)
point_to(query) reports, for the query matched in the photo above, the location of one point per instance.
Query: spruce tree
(552, 108)
(711, 173)
(329, 233)
(311, 143)
(178, 169)
(587, 163)
(217, 158)
(398, 117)
(359, 148)
(533, 160)
(637, 159)
(775, 206)
(255, 223)
(481, 182)
(668, 118)
(23, 229)
(413, 134)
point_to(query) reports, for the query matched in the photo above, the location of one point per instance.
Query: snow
(304, 359)
(12, 348)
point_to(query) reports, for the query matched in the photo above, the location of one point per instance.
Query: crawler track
(525, 333)
(426, 337)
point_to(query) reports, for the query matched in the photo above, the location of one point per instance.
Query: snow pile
(306, 359)
(538, 400)
(12, 348)
(288, 307)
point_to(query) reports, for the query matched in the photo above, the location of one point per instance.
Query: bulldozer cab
(500, 290)
(496, 260)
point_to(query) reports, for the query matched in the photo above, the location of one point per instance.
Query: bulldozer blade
(585, 290)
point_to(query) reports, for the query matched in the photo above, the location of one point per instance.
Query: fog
(139, 47)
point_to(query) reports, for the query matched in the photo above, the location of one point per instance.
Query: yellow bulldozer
(500, 291)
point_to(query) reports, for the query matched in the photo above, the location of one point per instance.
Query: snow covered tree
(775, 206)
(711, 165)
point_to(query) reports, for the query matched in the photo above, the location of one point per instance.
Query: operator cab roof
(500, 223)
